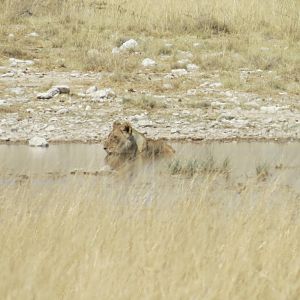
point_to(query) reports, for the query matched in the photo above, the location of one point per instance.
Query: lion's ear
(116, 124)
(127, 128)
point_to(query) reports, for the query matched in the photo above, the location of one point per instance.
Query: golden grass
(97, 242)
(76, 34)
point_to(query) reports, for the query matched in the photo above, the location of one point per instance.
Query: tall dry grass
(101, 242)
(273, 16)
(77, 34)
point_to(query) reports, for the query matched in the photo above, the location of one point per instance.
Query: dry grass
(95, 242)
(231, 34)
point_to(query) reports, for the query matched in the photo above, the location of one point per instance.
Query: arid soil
(205, 110)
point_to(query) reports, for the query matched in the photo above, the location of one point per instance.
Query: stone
(62, 111)
(103, 94)
(14, 62)
(38, 142)
(33, 34)
(130, 44)
(63, 89)
(148, 62)
(91, 90)
(49, 94)
(179, 72)
(3, 102)
(59, 89)
(192, 67)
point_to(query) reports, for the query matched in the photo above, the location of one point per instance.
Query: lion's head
(121, 141)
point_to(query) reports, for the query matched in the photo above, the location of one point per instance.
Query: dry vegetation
(157, 241)
(231, 35)
(167, 239)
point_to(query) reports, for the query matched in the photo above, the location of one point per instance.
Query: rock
(216, 84)
(3, 102)
(148, 62)
(103, 94)
(179, 72)
(49, 94)
(38, 142)
(130, 44)
(14, 62)
(88, 108)
(63, 89)
(175, 130)
(33, 34)
(91, 90)
(59, 89)
(192, 67)
(62, 111)
(11, 35)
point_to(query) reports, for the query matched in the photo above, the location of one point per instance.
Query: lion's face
(121, 141)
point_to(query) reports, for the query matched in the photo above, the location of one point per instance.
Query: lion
(124, 144)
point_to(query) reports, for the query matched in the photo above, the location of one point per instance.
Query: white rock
(91, 90)
(216, 84)
(130, 44)
(14, 62)
(192, 67)
(175, 130)
(103, 94)
(191, 92)
(63, 89)
(148, 62)
(11, 35)
(179, 72)
(62, 111)
(38, 142)
(49, 94)
(3, 102)
(59, 89)
(87, 108)
(33, 34)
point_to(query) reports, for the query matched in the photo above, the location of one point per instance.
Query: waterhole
(235, 161)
